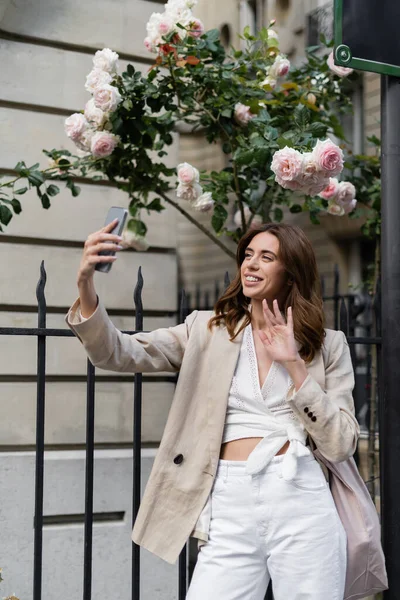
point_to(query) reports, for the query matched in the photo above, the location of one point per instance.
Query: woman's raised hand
(95, 243)
(277, 334)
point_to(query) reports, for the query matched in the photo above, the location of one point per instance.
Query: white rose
(106, 60)
(75, 126)
(237, 219)
(107, 98)
(243, 114)
(350, 206)
(131, 239)
(94, 115)
(187, 174)
(189, 192)
(272, 35)
(85, 140)
(335, 209)
(346, 193)
(95, 79)
(204, 203)
(270, 81)
(280, 68)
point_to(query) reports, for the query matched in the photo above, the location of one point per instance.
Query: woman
(257, 387)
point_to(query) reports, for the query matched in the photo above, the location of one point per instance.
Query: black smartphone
(115, 212)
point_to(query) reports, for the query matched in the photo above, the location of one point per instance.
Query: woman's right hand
(97, 241)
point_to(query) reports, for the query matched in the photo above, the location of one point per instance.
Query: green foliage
(197, 83)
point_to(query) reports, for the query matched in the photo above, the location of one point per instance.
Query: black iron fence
(356, 315)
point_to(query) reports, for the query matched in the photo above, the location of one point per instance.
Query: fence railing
(350, 314)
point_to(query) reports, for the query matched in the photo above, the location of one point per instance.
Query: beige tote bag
(366, 571)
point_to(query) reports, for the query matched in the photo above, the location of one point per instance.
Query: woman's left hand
(277, 335)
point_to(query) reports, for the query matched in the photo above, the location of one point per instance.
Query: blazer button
(306, 409)
(178, 459)
(314, 419)
(310, 414)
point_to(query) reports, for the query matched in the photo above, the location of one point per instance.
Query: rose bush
(278, 125)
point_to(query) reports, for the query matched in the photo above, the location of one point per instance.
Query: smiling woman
(282, 259)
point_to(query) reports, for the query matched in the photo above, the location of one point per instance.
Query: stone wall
(46, 50)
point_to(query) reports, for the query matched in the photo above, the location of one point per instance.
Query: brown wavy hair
(304, 294)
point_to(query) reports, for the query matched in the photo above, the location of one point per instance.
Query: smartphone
(115, 212)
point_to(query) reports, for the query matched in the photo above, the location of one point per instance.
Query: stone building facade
(46, 50)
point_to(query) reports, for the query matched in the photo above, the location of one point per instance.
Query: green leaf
(20, 166)
(295, 208)
(278, 214)
(75, 190)
(313, 218)
(53, 190)
(220, 211)
(217, 223)
(137, 227)
(45, 201)
(226, 148)
(5, 214)
(318, 129)
(301, 116)
(155, 205)
(227, 112)
(21, 191)
(35, 177)
(282, 142)
(130, 69)
(63, 162)
(16, 204)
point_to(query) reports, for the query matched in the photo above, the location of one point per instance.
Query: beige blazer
(187, 459)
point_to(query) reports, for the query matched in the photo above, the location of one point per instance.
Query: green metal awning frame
(343, 54)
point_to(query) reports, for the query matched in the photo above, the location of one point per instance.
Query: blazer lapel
(223, 356)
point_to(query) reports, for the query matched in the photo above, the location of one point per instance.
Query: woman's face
(262, 273)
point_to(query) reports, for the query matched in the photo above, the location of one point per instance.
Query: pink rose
(189, 192)
(331, 189)
(75, 126)
(243, 114)
(280, 67)
(103, 144)
(346, 193)
(337, 69)
(107, 97)
(97, 78)
(287, 165)
(311, 179)
(149, 45)
(196, 28)
(187, 174)
(328, 157)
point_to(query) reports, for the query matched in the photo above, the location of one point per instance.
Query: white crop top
(265, 412)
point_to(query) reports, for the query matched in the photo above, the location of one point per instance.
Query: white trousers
(264, 527)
